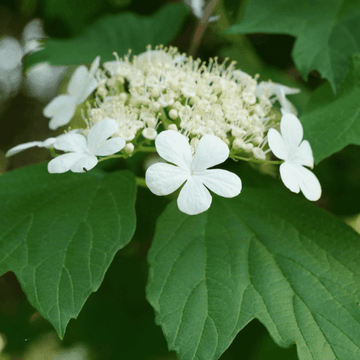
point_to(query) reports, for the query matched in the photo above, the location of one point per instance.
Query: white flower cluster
(198, 114)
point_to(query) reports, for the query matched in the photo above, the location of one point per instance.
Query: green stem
(140, 181)
(257, 161)
(111, 157)
(145, 149)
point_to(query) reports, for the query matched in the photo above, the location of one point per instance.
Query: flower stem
(257, 161)
(140, 182)
(201, 28)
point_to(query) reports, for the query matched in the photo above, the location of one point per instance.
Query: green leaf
(111, 33)
(59, 234)
(74, 14)
(327, 32)
(266, 254)
(332, 122)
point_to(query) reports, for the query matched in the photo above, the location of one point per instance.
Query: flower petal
(110, 147)
(21, 147)
(194, 198)
(305, 180)
(100, 132)
(61, 109)
(291, 132)
(296, 178)
(163, 179)
(175, 148)
(221, 182)
(288, 175)
(78, 81)
(85, 163)
(276, 144)
(210, 151)
(303, 155)
(63, 163)
(71, 142)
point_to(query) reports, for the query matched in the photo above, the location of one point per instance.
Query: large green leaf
(111, 33)
(59, 234)
(327, 31)
(266, 254)
(332, 122)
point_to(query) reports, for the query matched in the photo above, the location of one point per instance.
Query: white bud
(155, 93)
(177, 105)
(248, 147)
(155, 106)
(259, 153)
(149, 133)
(258, 140)
(173, 114)
(129, 148)
(172, 127)
(194, 142)
(123, 97)
(238, 144)
(237, 132)
(193, 100)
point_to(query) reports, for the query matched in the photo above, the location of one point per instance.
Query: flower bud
(129, 148)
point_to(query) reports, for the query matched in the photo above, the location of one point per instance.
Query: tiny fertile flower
(194, 197)
(62, 108)
(297, 154)
(83, 151)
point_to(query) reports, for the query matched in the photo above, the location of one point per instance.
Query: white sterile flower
(297, 154)
(83, 151)
(48, 143)
(280, 92)
(194, 197)
(82, 83)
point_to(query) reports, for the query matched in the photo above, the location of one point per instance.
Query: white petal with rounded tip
(164, 179)
(291, 131)
(221, 182)
(16, 149)
(61, 109)
(85, 163)
(94, 66)
(100, 132)
(276, 144)
(303, 155)
(194, 198)
(309, 184)
(71, 142)
(87, 90)
(289, 177)
(78, 81)
(63, 163)
(210, 151)
(175, 148)
(110, 147)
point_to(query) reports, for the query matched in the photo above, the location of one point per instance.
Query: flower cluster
(198, 114)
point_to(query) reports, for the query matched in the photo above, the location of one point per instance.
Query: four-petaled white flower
(82, 83)
(48, 143)
(83, 151)
(297, 154)
(194, 197)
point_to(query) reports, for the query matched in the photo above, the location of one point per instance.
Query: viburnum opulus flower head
(194, 197)
(297, 154)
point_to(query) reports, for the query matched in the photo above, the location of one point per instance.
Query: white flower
(83, 151)
(297, 154)
(280, 92)
(194, 198)
(62, 108)
(48, 143)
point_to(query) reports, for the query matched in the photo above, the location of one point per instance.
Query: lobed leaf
(59, 234)
(332, 122)
(327, 32)
(119, 33)
(268, 255)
